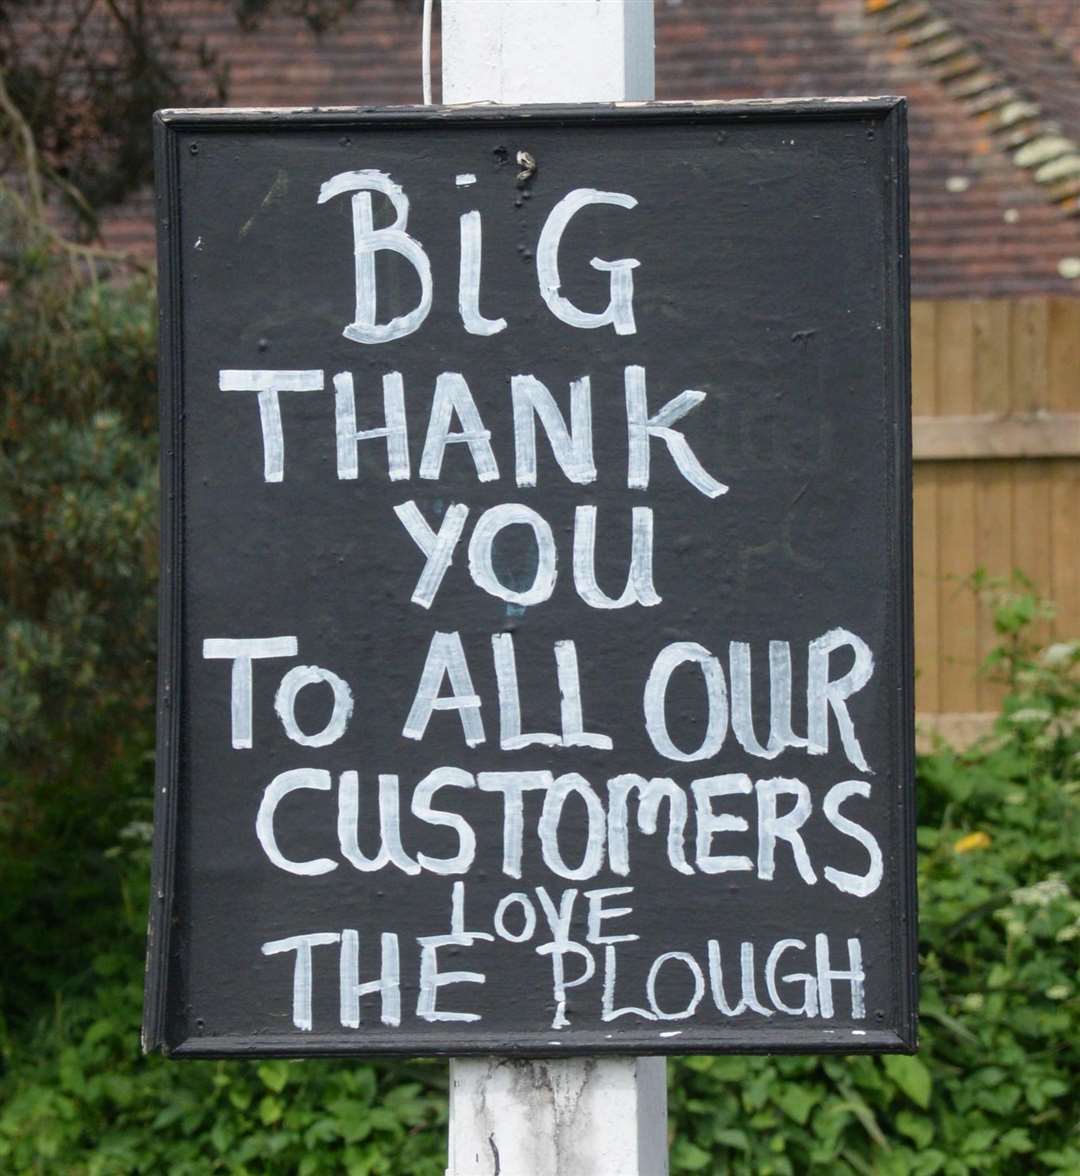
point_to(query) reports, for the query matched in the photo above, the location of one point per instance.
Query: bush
(78, 503)
(80, 1097)
(994, 1085)
(992, 1089)
(78, 512)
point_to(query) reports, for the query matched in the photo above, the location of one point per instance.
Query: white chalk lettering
(598, 914)
(826, 975)
(823, 694)
(559, 982)
(445, 659)
(668, 660)
(431, 979)
(387, 987)
(422, 810)
(651, 793)
(469, 279)
(302, 945)
(510, 734)
(315, 779)
(696, 975)
(772, 827)
(559, 918)
(748, 998)
(641, 428)
(242, 651)
(268, 384)
(367, 241)
(285, 705)
(572, 449)
(809, 1007)
(709, 823)
(437, 546)
(742, 718)
(639, 582)
(593, 857)
(513, 785)
(391, 851)
(481, 566)
(528, 920)
(573, 721)
(858, 884)
(349, 437)
(780, 731)
(620, 308)
(452, 397)
(608, 1011)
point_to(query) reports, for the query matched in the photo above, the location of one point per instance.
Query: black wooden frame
(887, 113)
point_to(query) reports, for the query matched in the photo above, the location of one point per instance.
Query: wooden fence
(996, 406)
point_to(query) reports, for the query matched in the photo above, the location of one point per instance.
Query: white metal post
(518, 51)
(577, 1117)
(585, 1116)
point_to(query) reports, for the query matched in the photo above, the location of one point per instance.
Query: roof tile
(981, 225)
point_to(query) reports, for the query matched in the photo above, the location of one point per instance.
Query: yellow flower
(972, 841)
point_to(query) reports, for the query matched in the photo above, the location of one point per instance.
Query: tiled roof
(1012, 74)
(986, 80)
(980, 224)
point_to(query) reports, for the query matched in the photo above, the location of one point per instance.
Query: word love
(395, 238)
(446, 665)
(545, 920)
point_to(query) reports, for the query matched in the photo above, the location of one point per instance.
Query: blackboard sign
(536, 668)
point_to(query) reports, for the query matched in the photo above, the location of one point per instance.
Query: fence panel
(996, 406)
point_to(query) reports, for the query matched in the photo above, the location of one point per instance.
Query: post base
(575, 1117)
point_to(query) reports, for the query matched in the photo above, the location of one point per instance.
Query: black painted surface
(772, 277)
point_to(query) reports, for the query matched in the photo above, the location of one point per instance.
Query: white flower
(1061, 653)
(1043, 893)
(1030, 714)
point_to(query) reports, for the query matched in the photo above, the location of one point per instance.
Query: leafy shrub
(994, 1086)
(78, 503)
(80, 1097)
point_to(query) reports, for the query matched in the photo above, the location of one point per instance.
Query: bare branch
(25, 137)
